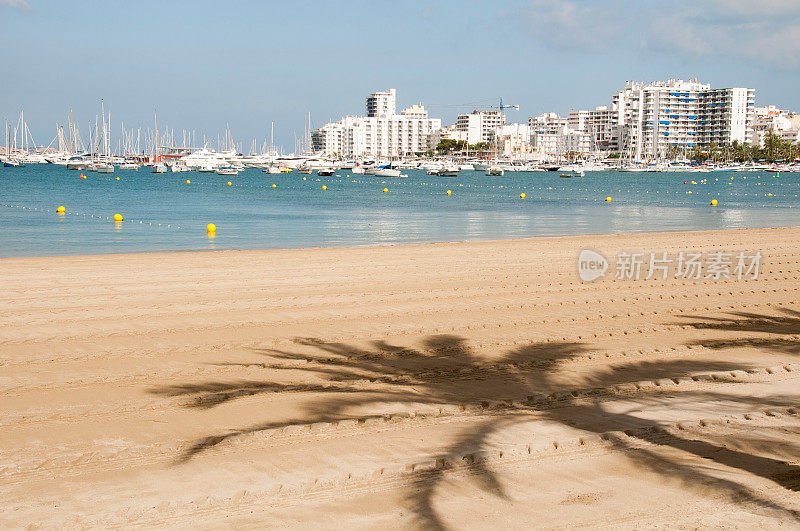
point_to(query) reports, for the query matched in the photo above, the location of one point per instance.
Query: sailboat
(495, 169)
(8, 162)
(104, 164)
(158, 166)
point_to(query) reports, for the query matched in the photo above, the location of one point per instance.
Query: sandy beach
(443, 385)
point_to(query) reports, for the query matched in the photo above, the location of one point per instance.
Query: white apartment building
(680, 114)
(784, 124)
(547, 121)
(514, 139)
(602, 124)
(382, 104)
(480, 126)
(553, 143)
(648, 120)
(382, 133)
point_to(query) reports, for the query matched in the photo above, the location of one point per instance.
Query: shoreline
(393, 245)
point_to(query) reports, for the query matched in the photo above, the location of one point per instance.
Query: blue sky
(204, 64)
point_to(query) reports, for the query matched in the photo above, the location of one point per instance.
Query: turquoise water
(162, 212)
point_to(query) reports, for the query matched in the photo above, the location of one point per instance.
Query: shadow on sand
(445, 372)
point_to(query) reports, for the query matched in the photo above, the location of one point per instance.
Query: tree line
(775, 148)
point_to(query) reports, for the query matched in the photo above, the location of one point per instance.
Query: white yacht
(206, 160)
(448, 170)
(386, 172)
(179, 167)
(104, 167)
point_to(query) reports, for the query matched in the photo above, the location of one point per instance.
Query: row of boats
(231, 163)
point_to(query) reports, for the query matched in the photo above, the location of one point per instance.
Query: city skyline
(252, 64)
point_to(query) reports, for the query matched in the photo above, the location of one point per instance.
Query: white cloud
(16, 4)
(761, 8)
(572, 23)
(766, 31)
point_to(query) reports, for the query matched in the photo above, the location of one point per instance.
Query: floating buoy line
(61, 211)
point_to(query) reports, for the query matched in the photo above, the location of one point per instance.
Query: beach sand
(443, 385)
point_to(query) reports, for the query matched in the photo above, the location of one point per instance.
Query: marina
(169, 211)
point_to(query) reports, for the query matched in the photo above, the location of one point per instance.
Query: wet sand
(443, 385)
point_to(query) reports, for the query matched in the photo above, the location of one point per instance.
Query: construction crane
(503, 107)
(476, 105)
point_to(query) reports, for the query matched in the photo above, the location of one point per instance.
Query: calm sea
(162, 212)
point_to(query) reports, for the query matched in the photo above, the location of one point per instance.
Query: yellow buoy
(522, 195)
(324, 187)
(188, 181)
(211, 228)
(449, 192)
(61, 210)
(118, 218)
(770, 195)
(608, 199)
(304, 178)
(713, 202)
(385, 190)
(229, 183)
(274, 185)
(118, 178)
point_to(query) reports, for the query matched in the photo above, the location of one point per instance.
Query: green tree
(772, 145)
(448, 145)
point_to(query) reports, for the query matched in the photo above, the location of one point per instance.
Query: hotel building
(648, 120)
(381, 133)
(480, 126)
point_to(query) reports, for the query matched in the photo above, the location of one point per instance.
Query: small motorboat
(449, 170)
(229, 170)
(104, 167)
(495, 171)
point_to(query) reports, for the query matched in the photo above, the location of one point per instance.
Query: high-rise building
(382, 104)
(651, 120)
(381, 133)
(480, 126)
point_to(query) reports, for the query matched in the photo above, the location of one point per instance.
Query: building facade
(382, 133)
(649, 121)
(784, 124)
(480, 126)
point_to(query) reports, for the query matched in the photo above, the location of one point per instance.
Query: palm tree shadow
(446, 372)
(782, 331)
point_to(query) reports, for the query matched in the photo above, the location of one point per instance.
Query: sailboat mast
(103, 114)
(155, 145)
